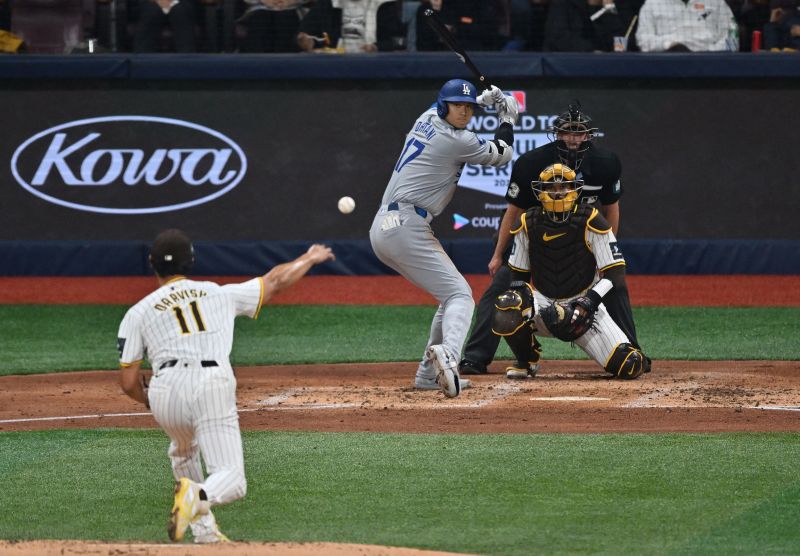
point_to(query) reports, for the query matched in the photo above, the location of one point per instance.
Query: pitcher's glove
(570, 320)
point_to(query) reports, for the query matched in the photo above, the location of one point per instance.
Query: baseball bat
(439, 28)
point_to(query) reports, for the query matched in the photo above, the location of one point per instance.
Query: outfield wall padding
(355, 257)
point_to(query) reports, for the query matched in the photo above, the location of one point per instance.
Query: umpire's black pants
(482, 343)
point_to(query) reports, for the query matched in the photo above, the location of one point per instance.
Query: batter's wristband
(506, 133)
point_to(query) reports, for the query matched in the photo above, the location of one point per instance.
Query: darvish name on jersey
(177, 297)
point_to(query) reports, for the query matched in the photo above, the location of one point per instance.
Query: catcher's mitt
(569, 320)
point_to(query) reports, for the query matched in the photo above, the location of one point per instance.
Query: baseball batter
(185, 330)
(422, 184)
(570, 255)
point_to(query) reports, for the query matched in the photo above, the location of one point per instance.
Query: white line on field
(479, 403)
(648, 400)
(570, 399)
(59, 418)
(272, 403)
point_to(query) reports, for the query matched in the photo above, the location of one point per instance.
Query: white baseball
(346, 205)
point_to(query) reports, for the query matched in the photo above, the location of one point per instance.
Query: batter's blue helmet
(455, 90)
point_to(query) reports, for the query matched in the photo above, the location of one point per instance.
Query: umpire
(571, 143)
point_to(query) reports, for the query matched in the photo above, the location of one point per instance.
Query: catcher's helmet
(557, 189)
(455, 90)
(574, 120)
(172, 253)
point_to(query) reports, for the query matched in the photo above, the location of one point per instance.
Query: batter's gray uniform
(604, 336)
(422, 184)
(185, 328)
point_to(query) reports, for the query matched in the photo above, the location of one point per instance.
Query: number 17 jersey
(431, 162)
(186, 319)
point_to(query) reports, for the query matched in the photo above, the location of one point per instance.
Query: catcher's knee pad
(513, 309)
(625, 362)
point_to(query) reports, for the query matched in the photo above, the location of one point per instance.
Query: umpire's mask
(578, 124)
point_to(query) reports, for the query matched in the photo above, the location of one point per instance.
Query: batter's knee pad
(626, 362)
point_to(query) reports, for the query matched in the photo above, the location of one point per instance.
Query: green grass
(489, 494)
(43, 338)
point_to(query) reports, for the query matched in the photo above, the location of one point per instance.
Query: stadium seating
(51, 26)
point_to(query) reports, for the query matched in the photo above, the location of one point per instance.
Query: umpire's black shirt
(600, 172)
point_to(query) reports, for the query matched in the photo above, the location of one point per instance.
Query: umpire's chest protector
(562, 265)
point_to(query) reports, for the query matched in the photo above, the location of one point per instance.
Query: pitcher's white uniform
(421, 186)
(185, 329)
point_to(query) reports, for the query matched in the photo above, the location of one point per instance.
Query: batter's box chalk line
(278, 401)
(649, 400)
(570, 399)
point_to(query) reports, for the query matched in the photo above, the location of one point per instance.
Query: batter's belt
(397, 206)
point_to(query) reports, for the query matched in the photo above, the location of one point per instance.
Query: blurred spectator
(50, 26)
(154, 15)
(782, 32)
(270, 25)
(686, 25)
(519, 15)
(503, 15)
(570, 27)
(536, 24)
(753, 17)
(353, 26)
(473, 22)
(5, 15)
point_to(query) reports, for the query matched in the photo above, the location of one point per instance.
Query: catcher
(570, 255)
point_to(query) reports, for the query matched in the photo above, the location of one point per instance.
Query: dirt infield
(567, 396)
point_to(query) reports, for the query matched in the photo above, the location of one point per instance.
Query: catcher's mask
(172, 253)
(513, 309)
(558, 190)
(572, 131)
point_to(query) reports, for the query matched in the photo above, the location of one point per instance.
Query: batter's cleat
(446, 370)
(467, 367)
(422, 383)
(185, 508)
(518, 371)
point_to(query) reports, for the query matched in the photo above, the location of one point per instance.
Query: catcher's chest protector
(562, 265)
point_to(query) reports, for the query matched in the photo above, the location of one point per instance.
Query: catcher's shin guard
(625, 362)
(529, 369)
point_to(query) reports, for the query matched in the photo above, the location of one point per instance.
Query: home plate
(570, 399)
